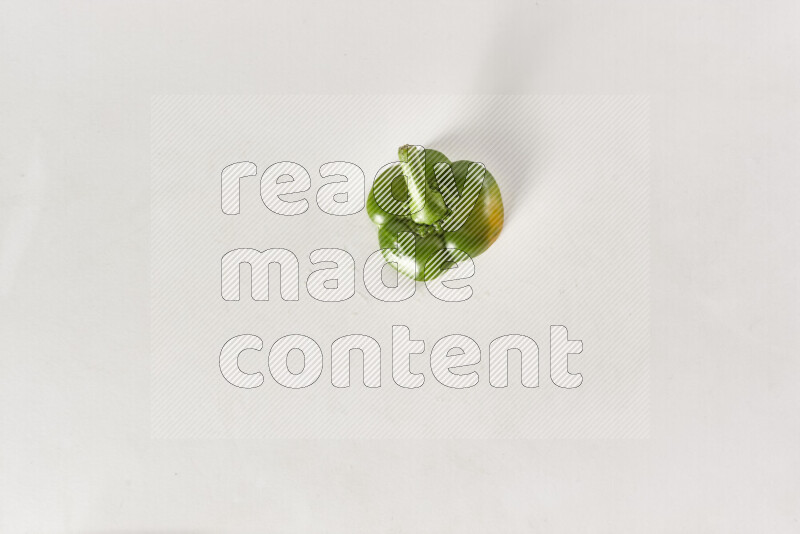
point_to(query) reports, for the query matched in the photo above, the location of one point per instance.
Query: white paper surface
(77, 447)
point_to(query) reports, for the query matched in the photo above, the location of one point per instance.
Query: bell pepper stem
(426, 203)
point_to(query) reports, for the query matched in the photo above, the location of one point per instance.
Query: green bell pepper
(425, 204)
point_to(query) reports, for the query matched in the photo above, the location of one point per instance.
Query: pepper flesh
(415, 184)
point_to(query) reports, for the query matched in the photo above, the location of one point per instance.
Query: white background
(75, 450)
